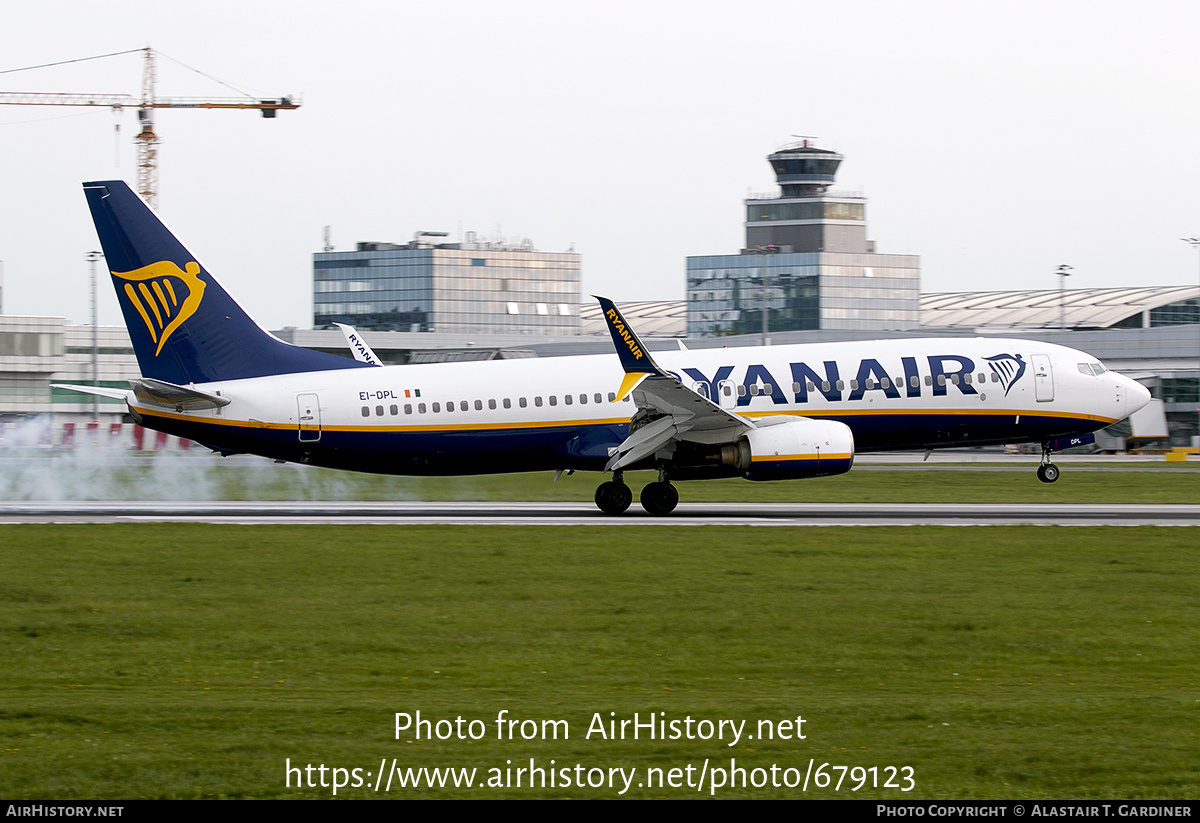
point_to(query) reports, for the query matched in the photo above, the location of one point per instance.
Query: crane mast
(147, 139)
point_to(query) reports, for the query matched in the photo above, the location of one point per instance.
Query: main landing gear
(659, 498)
(1047, 472)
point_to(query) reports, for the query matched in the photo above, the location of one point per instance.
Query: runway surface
(585, 514)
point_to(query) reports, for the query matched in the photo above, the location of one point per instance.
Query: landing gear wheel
(613, 497)
(660, 498)
(1047, 472)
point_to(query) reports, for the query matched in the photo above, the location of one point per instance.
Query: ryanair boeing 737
(213, 375)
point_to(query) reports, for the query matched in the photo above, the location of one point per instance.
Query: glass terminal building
(807, 262)
(466, 288)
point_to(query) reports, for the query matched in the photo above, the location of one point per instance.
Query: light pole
(1063, 272)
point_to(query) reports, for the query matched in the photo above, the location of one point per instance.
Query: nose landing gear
(1047, 472)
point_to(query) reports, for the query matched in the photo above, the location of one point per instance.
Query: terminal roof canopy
(1048, 309)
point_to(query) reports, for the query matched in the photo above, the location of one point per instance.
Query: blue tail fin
(185, 327)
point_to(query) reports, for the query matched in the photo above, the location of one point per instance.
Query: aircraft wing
(669, 410)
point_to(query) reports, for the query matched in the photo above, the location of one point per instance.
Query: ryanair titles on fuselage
(943, 371)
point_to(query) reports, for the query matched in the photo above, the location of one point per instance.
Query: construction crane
(146, 140)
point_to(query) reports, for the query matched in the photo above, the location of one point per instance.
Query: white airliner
(212, 375)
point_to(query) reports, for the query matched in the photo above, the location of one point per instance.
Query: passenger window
(366, 411)
(507, 403)
(929, 380)
(408, 408)
(886, 382)
(754, 390)
(437, 407)
(450, 406)
(479, 405)
(462, 405)
(915, 382)
(841, 385)
(554, 400)
(537, 401)
(522, 402)
(379, 411)
(870, 383)
(982, 378)
(954, 379)
(568, 399)
(741, 391)
(941, 380)
(598, 397)
(395, 410)
(766, 389)
(966, 377)
(824, 385)
(420, 408)
(491, 404)
(583, 399)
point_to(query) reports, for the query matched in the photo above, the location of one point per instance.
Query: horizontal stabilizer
(180, 397)
(98, 391)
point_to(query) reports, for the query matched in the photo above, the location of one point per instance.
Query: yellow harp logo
(164, 296)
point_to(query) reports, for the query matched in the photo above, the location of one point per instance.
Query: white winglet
(362, 352)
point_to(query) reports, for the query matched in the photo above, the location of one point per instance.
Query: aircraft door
(1043, 378)
(308, 408)
(727, 394)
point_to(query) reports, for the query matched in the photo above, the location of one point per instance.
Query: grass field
(195, 661)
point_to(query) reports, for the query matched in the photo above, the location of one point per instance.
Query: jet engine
(797, 447)
(780, 448)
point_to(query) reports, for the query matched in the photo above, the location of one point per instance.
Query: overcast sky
(995, 140)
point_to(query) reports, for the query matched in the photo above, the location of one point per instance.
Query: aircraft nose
(1136, 395)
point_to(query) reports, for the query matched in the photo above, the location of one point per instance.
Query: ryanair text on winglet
(615, 319)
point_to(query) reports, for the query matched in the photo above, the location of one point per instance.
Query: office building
(460, 288)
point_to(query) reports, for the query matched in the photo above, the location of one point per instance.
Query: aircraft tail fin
(184, 326)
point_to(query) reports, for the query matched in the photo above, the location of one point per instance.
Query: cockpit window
(1098, 369)
(1084, 368)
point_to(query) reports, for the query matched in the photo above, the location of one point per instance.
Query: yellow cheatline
(258, 424)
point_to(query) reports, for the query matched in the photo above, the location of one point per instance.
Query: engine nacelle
(799, 447)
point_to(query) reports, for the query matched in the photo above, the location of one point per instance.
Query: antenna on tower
(328, 243)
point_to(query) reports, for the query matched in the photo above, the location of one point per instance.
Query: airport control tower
(805, 216)
(807, 263)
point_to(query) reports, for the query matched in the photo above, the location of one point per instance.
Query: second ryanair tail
(184, 326)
